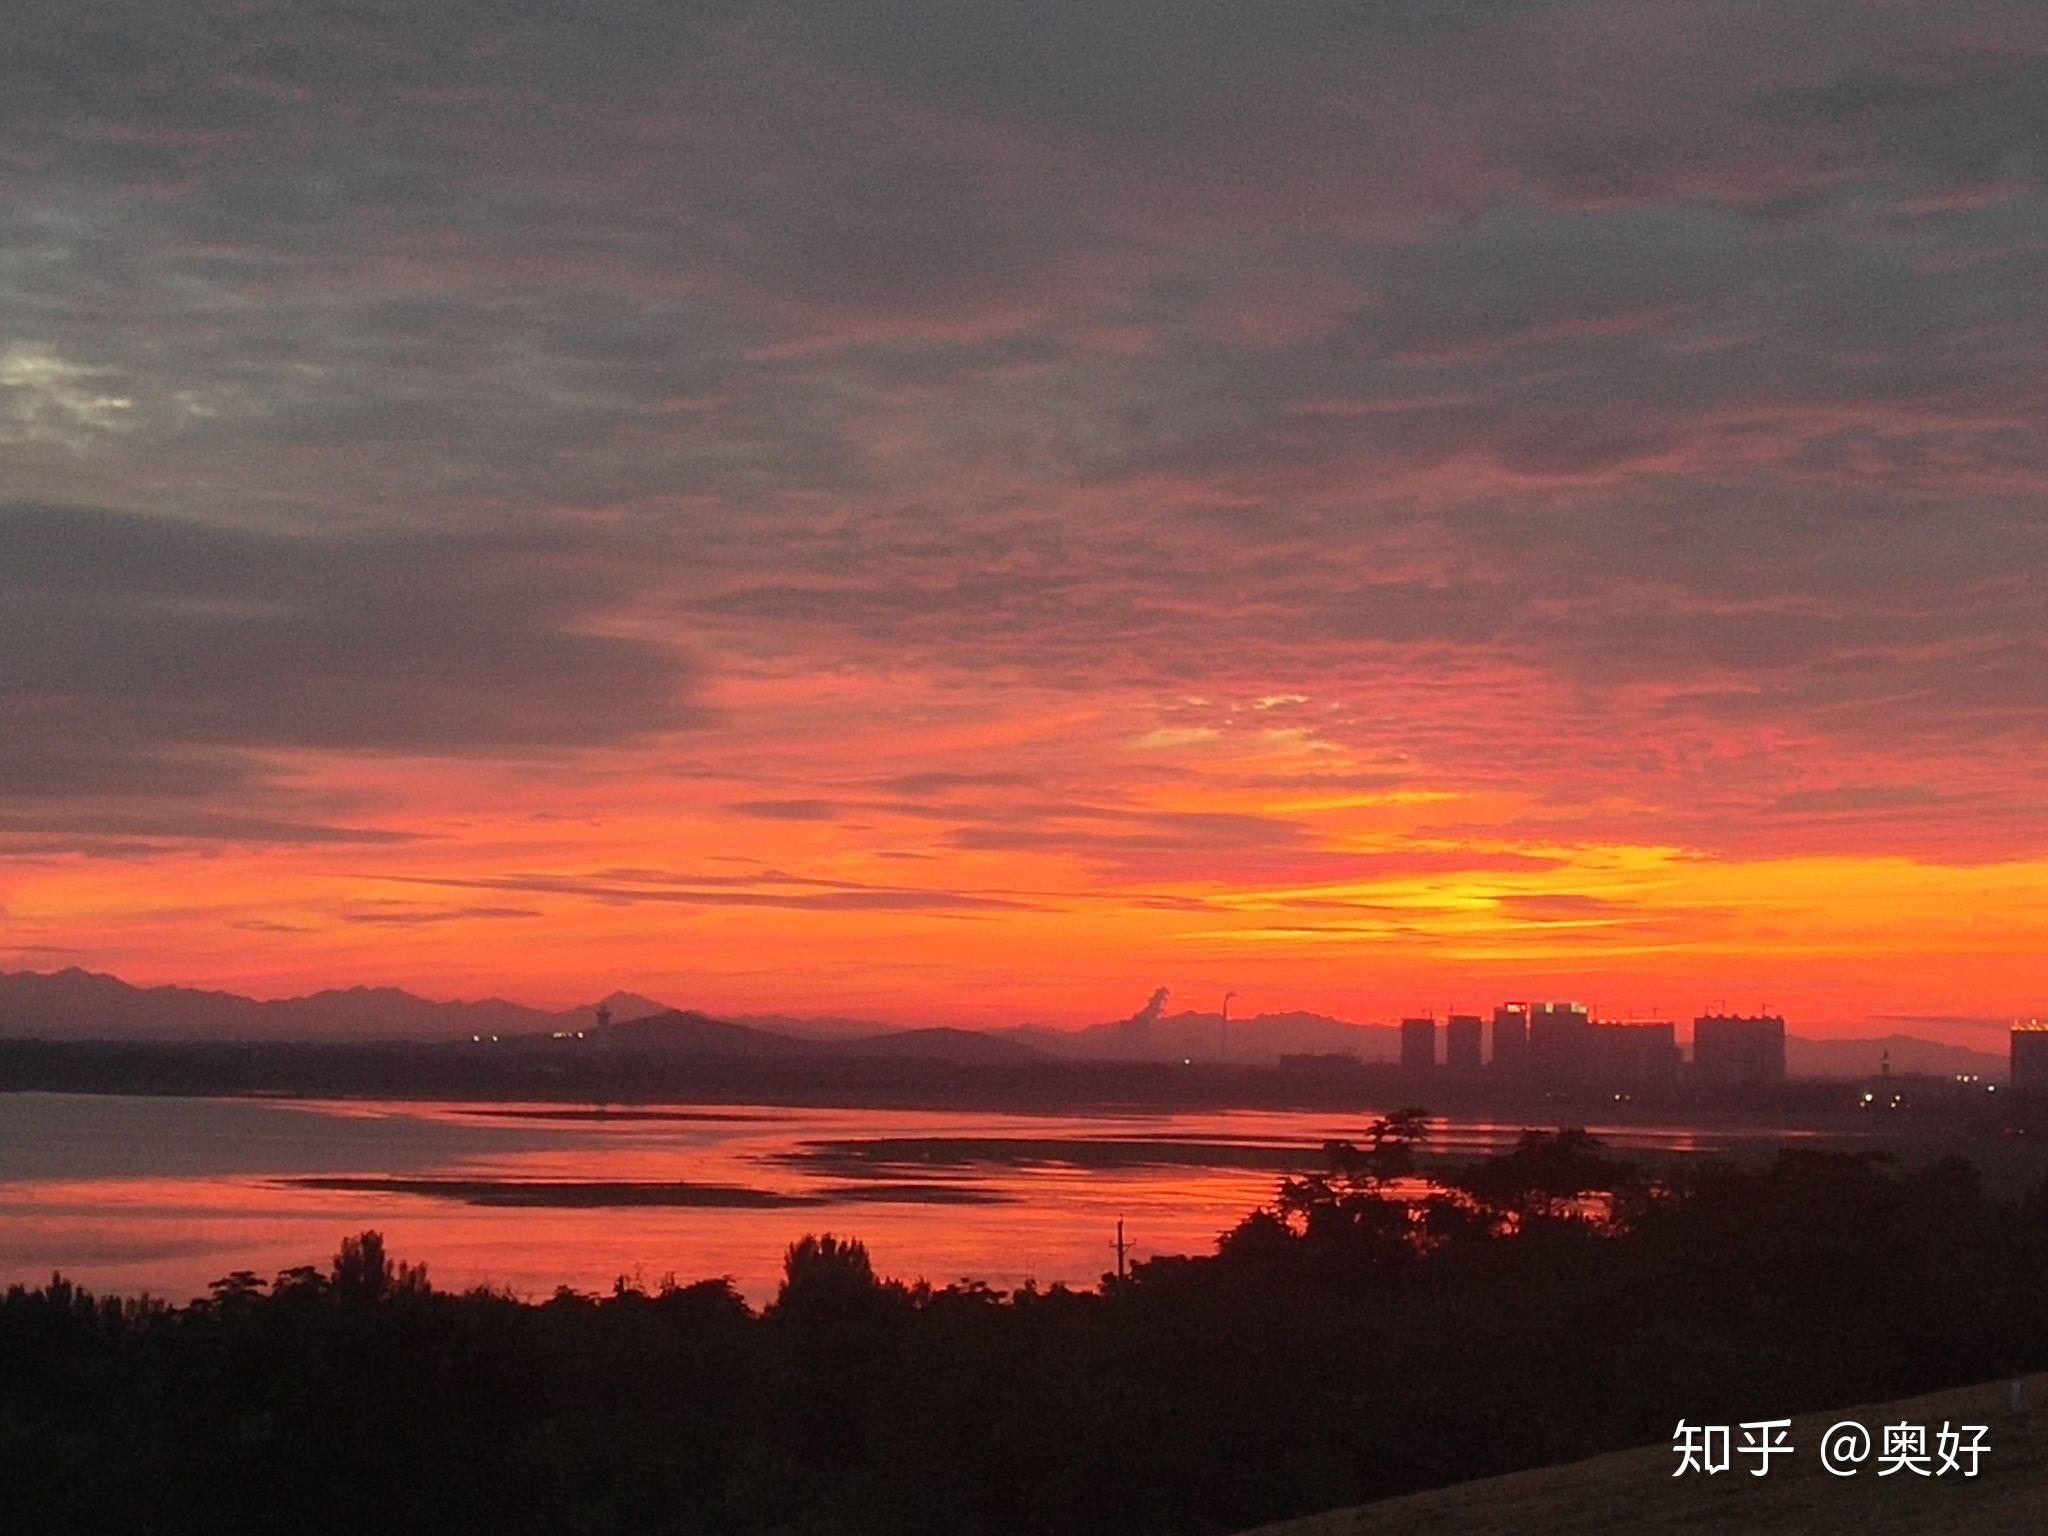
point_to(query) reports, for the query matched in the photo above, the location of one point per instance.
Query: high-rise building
(1557, 1040)
(1728, 1048)
(1463, 1034)
(2030, 1057)
(1644, 1051)
(1418, 1043)
(1510, 1037)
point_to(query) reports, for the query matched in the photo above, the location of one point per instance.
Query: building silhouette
(1644, 1051)
(2030, 1057)
(1511, 1037)
(1731, 1048)
(1418, 1043)
(1558, 1045)
(1463, 1042)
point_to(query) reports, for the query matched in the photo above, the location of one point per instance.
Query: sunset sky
(967, 513)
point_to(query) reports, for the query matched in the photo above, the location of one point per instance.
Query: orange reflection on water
(165, 1195)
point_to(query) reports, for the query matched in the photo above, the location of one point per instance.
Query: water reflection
(165, 1194)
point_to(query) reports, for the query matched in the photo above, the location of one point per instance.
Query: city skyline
(778, 511)
(64, 1004)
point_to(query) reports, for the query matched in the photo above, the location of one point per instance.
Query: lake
(163, 1195)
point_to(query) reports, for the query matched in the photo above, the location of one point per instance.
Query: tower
(1732, 1048)
(1510, 1037)
(1462, 1043)
(2030, 1057)
(1558, 1043)
(1418, 1044)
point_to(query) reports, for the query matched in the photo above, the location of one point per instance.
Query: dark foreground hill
(1633, 1493)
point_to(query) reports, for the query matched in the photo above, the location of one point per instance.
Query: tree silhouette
(237, 1291)
(1362, 1338)
(363, 1271)
(822, 1270)
(1547, 1176)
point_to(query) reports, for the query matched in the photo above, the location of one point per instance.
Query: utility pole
(1223, 1040)
(1122, 1249)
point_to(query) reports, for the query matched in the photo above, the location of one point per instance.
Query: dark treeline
(1366, 1335)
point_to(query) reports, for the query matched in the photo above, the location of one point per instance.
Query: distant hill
(820, 1027)
(75, 1004)
(1863, 1058)
(624, 1006)
(684, 1032)
(83, 1005)
(80, 1005)
(967, 1047)
(688, 1033)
